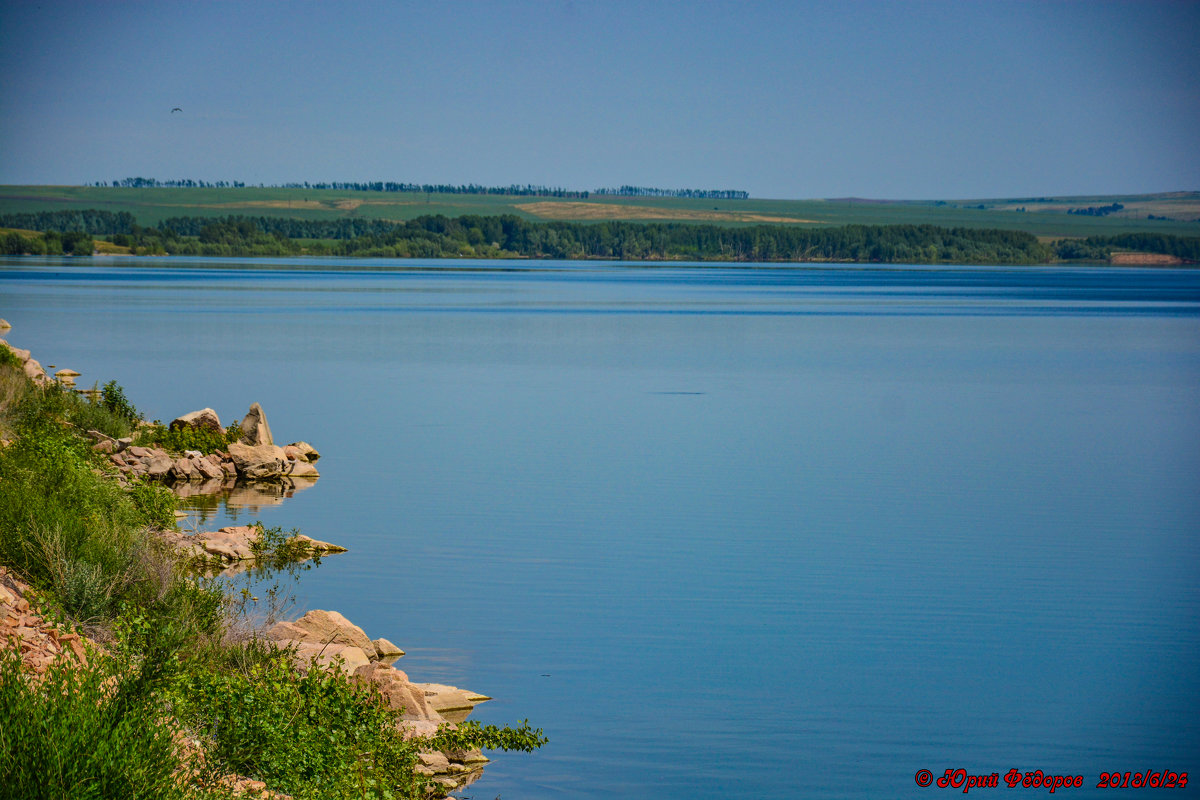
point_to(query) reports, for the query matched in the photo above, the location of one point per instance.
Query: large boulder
(204, 419)
(399, 693)
(158, 464)
(330, 656)
(255, 430)
(322, 627)
(21, 354)
(33, 369)
(258, 462)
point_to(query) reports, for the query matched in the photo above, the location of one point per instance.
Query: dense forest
(509, 236)
(514, 190)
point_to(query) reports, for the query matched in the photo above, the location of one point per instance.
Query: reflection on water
(234, 500)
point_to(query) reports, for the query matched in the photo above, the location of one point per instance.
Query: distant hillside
(1047, 218)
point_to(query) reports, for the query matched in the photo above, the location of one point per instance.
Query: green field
(1044, 217)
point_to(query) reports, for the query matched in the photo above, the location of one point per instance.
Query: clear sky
(783, 99)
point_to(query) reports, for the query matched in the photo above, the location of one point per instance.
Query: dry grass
(1144, 259)
(110, 249)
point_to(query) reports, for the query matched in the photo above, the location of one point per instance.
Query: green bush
(112, 397)
(82, 733)
(314, 735)
(8, 358)
(181, 439)
(155, 502)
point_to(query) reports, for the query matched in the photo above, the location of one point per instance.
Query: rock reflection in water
(205, 500)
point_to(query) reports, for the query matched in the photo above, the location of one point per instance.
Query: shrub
(82, 733)
(112, 397)
(8, 358)
(181, 439)
(314, 735)
(156, 503)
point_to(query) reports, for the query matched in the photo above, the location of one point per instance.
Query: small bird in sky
(173, 110)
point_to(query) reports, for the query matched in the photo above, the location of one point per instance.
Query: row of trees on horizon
(514, 190)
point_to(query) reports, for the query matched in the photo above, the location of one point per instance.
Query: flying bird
(173, 110)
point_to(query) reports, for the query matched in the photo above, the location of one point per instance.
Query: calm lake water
(721, 532)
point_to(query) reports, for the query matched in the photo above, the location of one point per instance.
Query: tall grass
(82, 733)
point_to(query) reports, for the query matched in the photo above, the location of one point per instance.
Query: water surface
(719, 531)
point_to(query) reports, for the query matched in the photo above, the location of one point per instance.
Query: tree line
(703, 194)
(1096, 211)
(509, 236)
(513, 190)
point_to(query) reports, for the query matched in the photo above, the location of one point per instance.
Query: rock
(204, 419)
(435, 761)
(33, 369)
(316, 546)
(104, 446)
(209, 468)
(140, 452)
(310, 453)
(451, 702)
(386, 651)
(158, 464)
(399, 692)
(322, 626)
(4, 324)
(294, 453)
(255, 430)
(258, 462)
(184, 469)
(22, 355)
(301, 469)
(66, 373)
(230, 544)
(326, 656)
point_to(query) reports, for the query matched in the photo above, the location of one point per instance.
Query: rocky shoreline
(320, 639)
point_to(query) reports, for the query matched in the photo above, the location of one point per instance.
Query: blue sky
(872, 99)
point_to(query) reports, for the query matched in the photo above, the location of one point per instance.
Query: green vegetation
(83, 733)
(631, 223)
(176, 441)
(49, 243)
(509, 236)
(176, 662)
(1099, 248)
(1175, 213)
(315, 735)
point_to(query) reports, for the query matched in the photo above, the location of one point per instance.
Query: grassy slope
(1044, 219)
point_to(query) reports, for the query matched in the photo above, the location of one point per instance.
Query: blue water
(720, 531)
